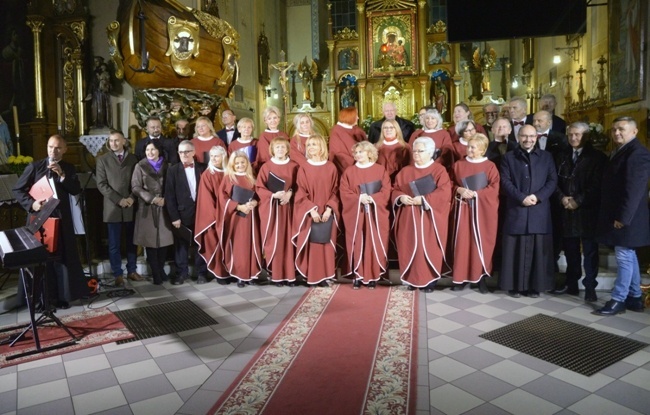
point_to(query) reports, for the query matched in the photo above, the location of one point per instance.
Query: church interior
(182, 59)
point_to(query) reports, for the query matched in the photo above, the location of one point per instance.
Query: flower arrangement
(416, 121)
(595, 128)
(17, 164)
(365, 124)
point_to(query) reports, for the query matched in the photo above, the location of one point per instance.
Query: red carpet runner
(340, 351)
(91, 327)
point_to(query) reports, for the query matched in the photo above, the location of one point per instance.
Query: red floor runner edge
(339, 351)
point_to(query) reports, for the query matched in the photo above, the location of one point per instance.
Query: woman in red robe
(432, 121)
(365, 193)
(246, 142)
(207, 205)
(475, 215)
(343, 136)
(304, 128)
(393, 152)
(238, 222)
(465, 130)
(316, 202)
(421, 221)
(272, 118)
(462, 113)
(205, 139)
(276, 212)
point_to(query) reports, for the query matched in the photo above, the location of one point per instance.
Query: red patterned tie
(188, 165)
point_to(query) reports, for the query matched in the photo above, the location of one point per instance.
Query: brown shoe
(134, 276)
(119, 281)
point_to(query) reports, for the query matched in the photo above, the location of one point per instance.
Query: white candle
(17, 126)
(59, 122)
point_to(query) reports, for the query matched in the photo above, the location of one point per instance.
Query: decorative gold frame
(401, 58)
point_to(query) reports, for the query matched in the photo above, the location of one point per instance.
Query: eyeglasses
(469, 130)
(419, 151)
(528, 136)
(492, 112)
(185, 151)
(388, 128)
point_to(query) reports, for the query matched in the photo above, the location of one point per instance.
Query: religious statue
(348, 95)
(441, 96)
(307, 73)
(100, 97)
(263, 55)
(485, 62)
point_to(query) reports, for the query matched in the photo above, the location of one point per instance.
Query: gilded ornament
(183, 44)
(113, 32)
(381, 5)
(346, 34)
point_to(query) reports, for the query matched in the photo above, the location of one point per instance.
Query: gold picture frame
(392, 48)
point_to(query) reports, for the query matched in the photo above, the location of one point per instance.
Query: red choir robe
(276, 220)
(244, 146)
(393, 157)
(203, 146)
(317, 188)
(454, 136)
(443, 145)
(239, 235)
(460, 150)
(342, 138)
(298, 154)
(421, 231)
(205, 228)
(263, 145)
(475, 223)
(366, 228)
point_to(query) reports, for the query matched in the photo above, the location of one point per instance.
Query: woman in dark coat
(152, 224)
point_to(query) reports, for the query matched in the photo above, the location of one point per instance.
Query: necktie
(575, 157)
(188, 165)
(518, 123)
(120, 157)
(230, 129)
(541, 135)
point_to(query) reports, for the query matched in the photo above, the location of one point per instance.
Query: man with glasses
(153, 127)
(623, 219)
(181, 186)
(490, 113)
(528, 180)
(579, 169)
(390, 113)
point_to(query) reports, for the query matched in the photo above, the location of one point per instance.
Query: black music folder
(475, 182)
(275, 183)
(182, 232)
(241, 196)
(370, 188)
(321, 232)
(423, 186)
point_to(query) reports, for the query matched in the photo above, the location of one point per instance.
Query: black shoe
(323, 284)
(458, 287)
(514, 293)
(482, 286)
(241, 284)
(634, 304)
(356, 284)
(612, 307)
(590, 295)
(559, 290)
(201, 279)
(254, 282)
(292, 284)
(430, 287)
(533, 294)
(62, 304)
(178, 281)
(279, 283)
(411, 288)
(372, 285)
(223, 281)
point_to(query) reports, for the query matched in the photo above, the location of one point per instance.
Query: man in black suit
(181, 187)
(498, 147)
(154, 132)
(490, 113)
(229, 133)
(390, 113)
(547, 139)
(547, 103)
(65, 277)
(517, 108)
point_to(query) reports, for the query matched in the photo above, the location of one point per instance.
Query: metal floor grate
(570, 345)
(157, 320)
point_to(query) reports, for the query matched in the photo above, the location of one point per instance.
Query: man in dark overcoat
(624, 222)
(528, 180)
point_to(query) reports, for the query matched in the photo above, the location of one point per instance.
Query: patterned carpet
(369, 341)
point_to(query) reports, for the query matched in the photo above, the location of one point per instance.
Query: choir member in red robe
(271, 116)
(276, 212)
(432, 128)
(365, 192)
(465, 130)
(343, 136)
(393, 152)
(316, 202)
(238, 221)
(206, 236)
(304, 128)
(205, 139)
(476, 215)
(462, 113)
(246, 142)
(421, 220)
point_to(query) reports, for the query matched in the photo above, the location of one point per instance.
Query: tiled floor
(458, 372)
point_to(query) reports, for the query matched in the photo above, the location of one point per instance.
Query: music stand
(36, 221)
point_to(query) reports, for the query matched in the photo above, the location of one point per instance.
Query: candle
(58, 114)
(16, 121)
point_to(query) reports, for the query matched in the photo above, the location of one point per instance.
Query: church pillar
(36, 24)
(422, 34)
(362, 98)
(361, 24)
